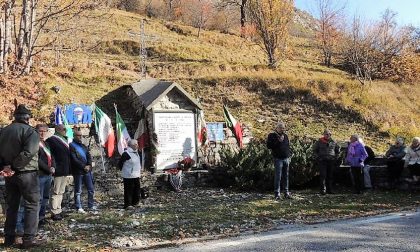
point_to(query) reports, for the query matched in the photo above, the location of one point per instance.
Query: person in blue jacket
(81, 167)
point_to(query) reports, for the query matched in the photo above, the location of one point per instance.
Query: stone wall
(378, 174)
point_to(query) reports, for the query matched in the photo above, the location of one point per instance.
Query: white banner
(176, 136)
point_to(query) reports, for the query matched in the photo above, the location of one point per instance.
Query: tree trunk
(272, 61)
(200, 23)
(30, 42)
(243, 17)
(7, 49)
(24, 32)
(170, 14)
(243, 13)
(1, 43)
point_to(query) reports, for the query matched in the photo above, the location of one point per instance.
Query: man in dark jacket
(19, 144)
(395, 162)
(326, 152)
(81, 166)
(278, 142)
(46, 164)
(60, 151)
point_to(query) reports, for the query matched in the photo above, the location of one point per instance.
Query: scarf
(324, 140)
(61, 139)
(47, 152)
(352, 148)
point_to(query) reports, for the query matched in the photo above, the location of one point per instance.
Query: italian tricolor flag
(122, 134)
(202, 129)
(104, 130)
(142, 133)
(233, 125)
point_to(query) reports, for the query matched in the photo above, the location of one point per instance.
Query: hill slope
(222, 68)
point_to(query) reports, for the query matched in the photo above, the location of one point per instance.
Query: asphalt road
(393, 232)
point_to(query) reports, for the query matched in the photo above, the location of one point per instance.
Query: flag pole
(142, 159)
(100, 146)
(102, 159)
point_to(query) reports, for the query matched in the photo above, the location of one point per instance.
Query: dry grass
(220, 67)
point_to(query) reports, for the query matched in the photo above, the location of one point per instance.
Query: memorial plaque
(176, 138)
(215, 132)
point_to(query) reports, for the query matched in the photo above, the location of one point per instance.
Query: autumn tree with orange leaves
(271, 19)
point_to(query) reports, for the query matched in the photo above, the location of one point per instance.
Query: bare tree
(197, 13)
(370, 51)
(391, 40)
(35, 18)
(7, 44)
(271, 19)
(359, 51)
(241, 4)
(329, 18)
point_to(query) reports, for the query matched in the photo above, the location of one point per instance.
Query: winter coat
(279, 149)
(60, 151)
(413, 156)
(357, 158)
(326, 150)
(130, 164)
(371, 155)
(78, 162)
(19, 145)
(397, 152)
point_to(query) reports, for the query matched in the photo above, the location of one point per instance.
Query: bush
(251, 168)
(302, 168)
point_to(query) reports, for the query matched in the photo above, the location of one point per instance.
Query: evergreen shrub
(252, 168)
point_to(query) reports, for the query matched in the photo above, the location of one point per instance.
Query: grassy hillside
(222, 68)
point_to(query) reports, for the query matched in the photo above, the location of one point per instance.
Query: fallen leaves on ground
(169, 217)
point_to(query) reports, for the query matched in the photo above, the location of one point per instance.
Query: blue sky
(408, 10)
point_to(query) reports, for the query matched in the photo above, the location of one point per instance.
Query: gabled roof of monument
(150, 91)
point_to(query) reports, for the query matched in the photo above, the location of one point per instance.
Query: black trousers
(395, 168)
(326, 172)
(357, 173)
(131, 191)
(27, 186)
(414, 169)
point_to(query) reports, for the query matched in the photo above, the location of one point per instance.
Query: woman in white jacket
(130, 165)
(412, 159)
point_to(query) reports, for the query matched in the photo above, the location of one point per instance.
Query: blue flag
(58, 115)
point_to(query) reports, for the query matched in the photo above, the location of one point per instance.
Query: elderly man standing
(81, 164)
(326, 152)
(60, 150)
(46, 164)
(19, 145)
(278, 142)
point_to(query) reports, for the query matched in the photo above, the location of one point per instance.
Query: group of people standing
(326, 157)
(34, 167)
